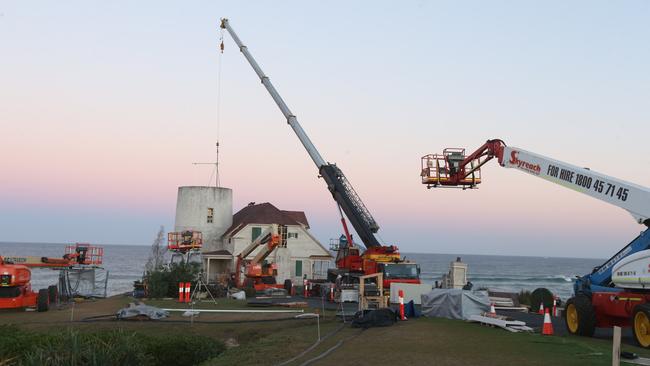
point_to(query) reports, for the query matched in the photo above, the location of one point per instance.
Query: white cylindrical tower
(204, 209)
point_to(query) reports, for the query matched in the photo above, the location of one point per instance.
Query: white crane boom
(291, 118)
(261, 239)
(453, 168)
(629, 196)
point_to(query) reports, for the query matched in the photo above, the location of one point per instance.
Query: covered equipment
(455, 303)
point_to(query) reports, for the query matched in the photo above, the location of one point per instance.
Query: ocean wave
(516, 279)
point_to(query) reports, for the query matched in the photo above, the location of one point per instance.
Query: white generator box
(411, 292)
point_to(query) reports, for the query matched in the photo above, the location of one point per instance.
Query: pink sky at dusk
(104, 108)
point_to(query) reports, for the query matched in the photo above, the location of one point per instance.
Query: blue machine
(600, 280)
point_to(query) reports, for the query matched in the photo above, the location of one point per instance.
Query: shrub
(186, 350)
(525, 297)
(115, 347)
(163, 282)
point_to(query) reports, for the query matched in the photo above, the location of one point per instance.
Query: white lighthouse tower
(204, 209)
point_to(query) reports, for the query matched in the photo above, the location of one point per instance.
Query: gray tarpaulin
(142, 311)
(454, 303)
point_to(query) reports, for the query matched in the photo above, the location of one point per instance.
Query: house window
(283, 236)
(210, 215)
(292, 235)
(255, 232)
(298, 268)
(320, 269)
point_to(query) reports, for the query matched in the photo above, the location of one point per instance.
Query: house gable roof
(265, 213)
(298, 216)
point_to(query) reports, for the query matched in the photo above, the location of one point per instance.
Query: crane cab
(446, 170)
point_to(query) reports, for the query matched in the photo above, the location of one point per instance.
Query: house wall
(298, 249)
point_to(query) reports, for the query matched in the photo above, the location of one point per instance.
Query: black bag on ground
(374, 318)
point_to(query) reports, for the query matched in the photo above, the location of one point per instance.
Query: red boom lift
(256, 273)
(15, 275)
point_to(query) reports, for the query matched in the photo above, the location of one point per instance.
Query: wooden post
(616, 348)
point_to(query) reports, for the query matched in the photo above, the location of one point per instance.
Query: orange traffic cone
(492, 311)
(547, 329)
(541, 308)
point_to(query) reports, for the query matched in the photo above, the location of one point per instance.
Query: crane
(15, 275)
(616, 292)
(376, 257)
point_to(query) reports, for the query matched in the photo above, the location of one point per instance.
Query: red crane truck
(351, 261)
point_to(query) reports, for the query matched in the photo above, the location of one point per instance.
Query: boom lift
(15, 275)
(256, 273)
(185, 246)
(616, 293)
(350, 260)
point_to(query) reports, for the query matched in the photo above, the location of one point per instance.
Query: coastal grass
(426, 341)
(113, 347)
(265, 339)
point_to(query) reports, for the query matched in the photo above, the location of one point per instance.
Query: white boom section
(629, 196)
(263, 238)
(291, 119)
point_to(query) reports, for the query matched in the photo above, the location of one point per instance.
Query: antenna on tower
(215, 171)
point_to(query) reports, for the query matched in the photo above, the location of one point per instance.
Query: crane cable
(218, 109)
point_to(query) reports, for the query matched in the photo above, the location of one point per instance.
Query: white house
(303, 254)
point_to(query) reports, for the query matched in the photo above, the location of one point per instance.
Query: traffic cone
(541, 308)
(554, 306)
(401, 305)
(188, 288)
(547, 329)
(493, 312)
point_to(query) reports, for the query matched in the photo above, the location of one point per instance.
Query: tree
(158, 250)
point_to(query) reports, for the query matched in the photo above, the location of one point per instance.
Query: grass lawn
(262, 342)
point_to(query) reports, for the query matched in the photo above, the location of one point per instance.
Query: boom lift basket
(85, 253)
(183, 241)
(437, 170)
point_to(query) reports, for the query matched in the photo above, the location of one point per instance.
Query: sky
(104, 106)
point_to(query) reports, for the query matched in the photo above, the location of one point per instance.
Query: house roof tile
(265, 213)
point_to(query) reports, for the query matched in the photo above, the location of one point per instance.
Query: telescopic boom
(341, 189)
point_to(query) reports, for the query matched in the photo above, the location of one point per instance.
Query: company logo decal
(524, 165)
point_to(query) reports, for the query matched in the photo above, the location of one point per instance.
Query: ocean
(125, 264)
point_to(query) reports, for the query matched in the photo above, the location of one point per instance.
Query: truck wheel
(53, 293)
(641, 325)
(579, 316)
(43, 300)
(287, 286)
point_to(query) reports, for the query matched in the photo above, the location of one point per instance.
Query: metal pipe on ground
(235, 311)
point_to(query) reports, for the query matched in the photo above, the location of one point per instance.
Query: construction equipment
(184, 245)
(15, 275)
(371, 294)
(350, 262)
(616, 293)
(257, 273)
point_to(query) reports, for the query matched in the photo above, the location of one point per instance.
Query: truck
(616, 293)
(15, 276)
(351, 260)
